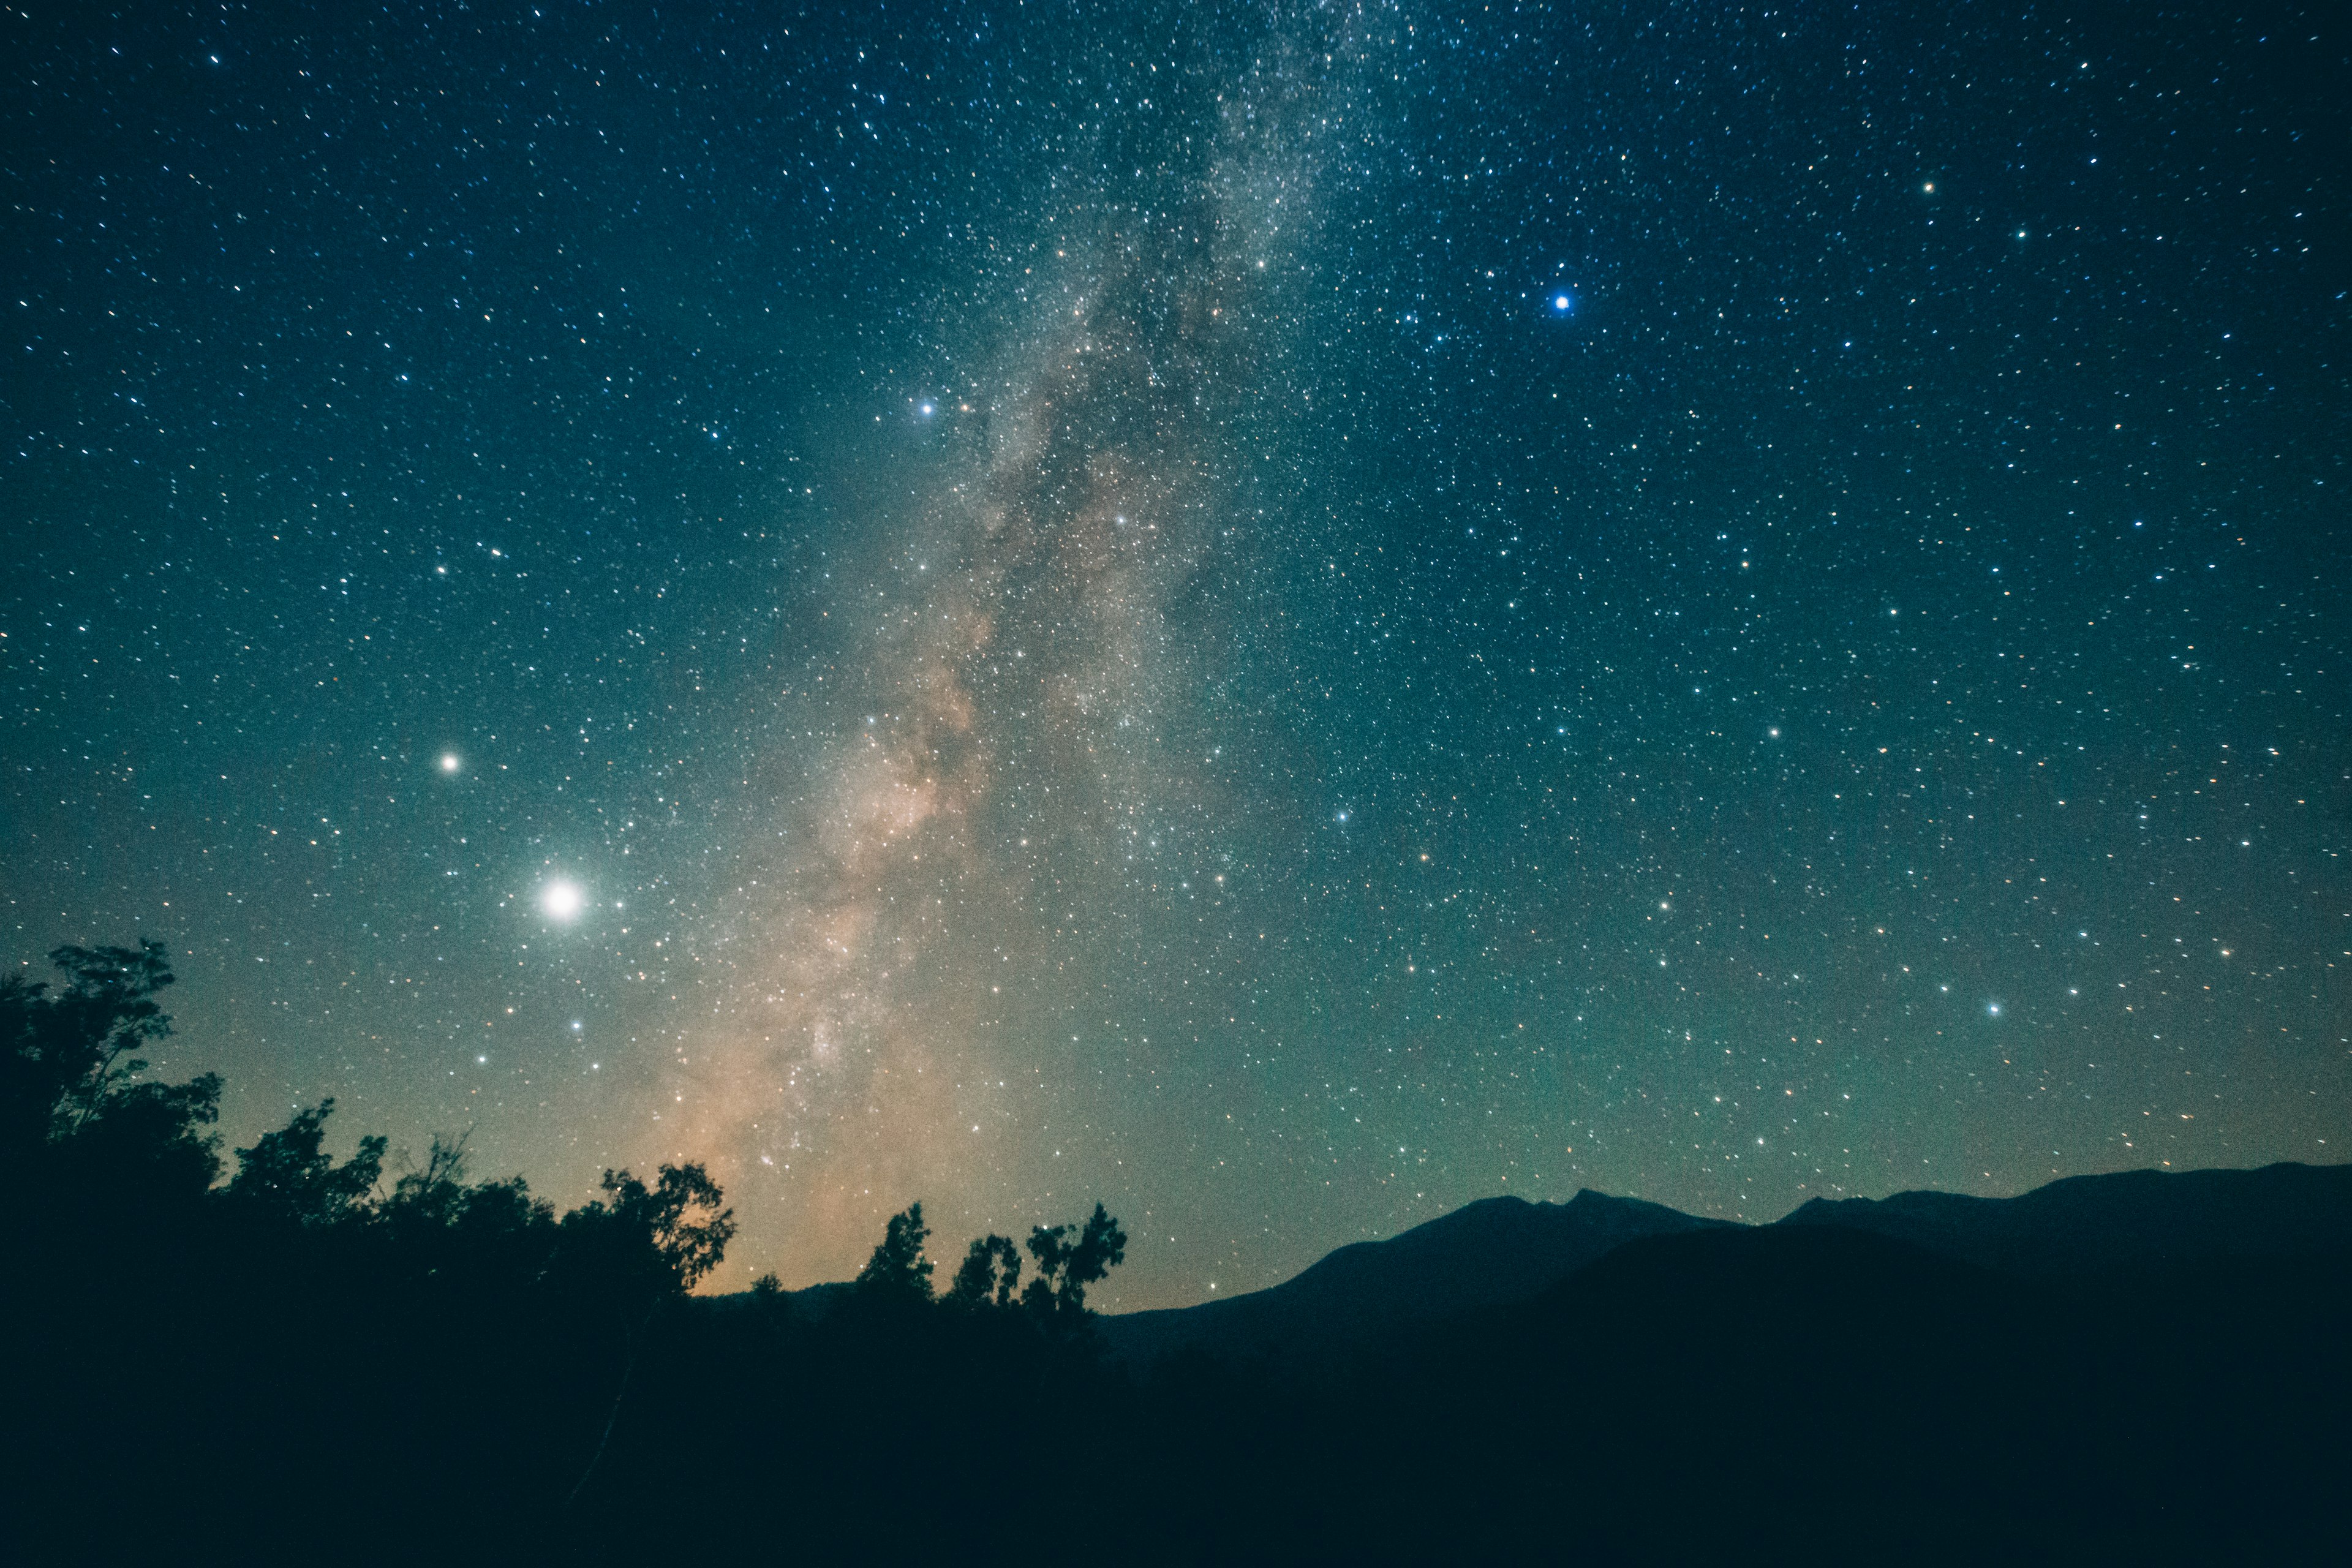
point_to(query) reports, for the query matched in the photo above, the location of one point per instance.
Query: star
(1341, 564)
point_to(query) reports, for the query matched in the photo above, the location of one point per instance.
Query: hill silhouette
(2129, 1217)
(1487, 1253)
(1501, 1251)
(1821, 1393)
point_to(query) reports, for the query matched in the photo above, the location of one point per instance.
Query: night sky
(1284, 616)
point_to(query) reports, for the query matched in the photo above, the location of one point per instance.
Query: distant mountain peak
(1490, 1252)
(2116, 1219)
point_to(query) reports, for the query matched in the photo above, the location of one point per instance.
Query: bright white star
(561, 901)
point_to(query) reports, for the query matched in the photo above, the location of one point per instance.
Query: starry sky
(1285, 615)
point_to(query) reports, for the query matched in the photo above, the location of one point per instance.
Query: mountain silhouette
(1839, 1389)
(1489, 1253)
(1499, 1252)
(2127, 1218)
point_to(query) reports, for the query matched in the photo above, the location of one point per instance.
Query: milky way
(1058, 588)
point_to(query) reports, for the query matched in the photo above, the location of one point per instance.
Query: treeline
(302, 1357)
(288, 1343)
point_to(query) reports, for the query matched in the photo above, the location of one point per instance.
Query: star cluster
(1286, 616)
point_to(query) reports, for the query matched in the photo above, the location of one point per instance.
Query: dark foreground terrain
(309, 1359)
(1791, 1392)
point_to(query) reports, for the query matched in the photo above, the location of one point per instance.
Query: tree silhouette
(663, 1238)
(1065, 1267)
(899, 1270)
(433, 1225)
(989, 1275)
(309, 1288)
(68, 1098)
(643, 1248)
(434, 1193)
(289, 1174)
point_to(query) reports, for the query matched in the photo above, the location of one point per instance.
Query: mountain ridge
(2115, 1217)
(1504, 1250)
(1490, 1252)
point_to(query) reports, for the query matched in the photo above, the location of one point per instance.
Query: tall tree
(644, 1247)
(898, 1269)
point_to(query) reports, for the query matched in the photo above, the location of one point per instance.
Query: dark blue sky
(1080, 621)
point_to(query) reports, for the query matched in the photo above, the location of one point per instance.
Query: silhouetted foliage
(1069, 1259)
(899, 1270)
(71, 1105)
(642, 1249)
(307, 1354)
(434, 1225)
(289, 1174)
(1066, 1266)
(989, 1275)
(69, 1051)
(661, 1240)
(434, 1193)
